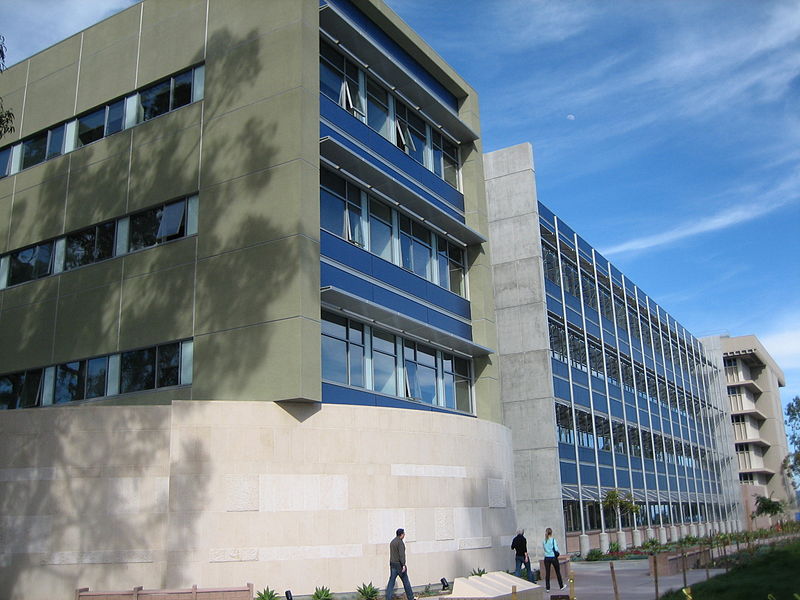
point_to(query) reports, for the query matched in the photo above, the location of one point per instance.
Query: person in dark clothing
(520, 545)
(397, 566)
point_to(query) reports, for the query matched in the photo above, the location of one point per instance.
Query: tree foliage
(767, 507)
(6, 116)
(793, 433)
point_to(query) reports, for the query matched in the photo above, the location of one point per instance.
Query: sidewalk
(593, 580)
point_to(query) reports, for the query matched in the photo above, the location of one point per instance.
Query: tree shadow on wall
(88, 490)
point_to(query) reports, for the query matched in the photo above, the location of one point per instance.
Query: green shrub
(595, 554)
(322, 593)
(478, 572)
(267, 594)
(614, 547)
(367, 591)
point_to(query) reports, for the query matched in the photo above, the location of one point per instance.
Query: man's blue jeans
(518, 571)
(396, 569)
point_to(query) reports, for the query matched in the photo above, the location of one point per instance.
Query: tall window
(342, 209)
(558, 340)
(620, 441)
(633, 441)
(577, 350)
(551, 269)
(362, 356)
(564, 425)
(583, 426)
(602, 432)
(570, 274)
(342, 350)
(420, 371)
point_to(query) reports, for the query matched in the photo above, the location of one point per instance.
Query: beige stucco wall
(220, 493)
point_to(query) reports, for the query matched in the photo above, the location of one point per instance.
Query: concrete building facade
(753, 381)
(246, 310)
(603, 390)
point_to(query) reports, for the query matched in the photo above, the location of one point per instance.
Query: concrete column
(584, 540)
(701, 530)
(622, 540)
(684, 530)
(693, 529)
(674, 535)
(662, 535)
(637, 537)
(649, 534)
(604, 542)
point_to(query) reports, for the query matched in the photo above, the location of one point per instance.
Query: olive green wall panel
(88, 323)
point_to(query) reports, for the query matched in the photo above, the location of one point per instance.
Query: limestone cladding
(215, 493)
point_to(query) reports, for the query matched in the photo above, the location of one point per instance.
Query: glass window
(181, 90)
(91, 127)
(570, 274)
(577, 350)
(451, 266)
(589, 292)
(633, 441)
(11, 390)
(34, 150)
(456, 376)
(5, 161)
(340, 208)
(564, 425)
(380, 229)
(420, 369)
(551, 269)
(584, 429)
(30, 263)
(331, 72)
(343, 352)
(137, 370)
(115, 118)
(96, 370)
(411, 136)
(378, 109)
(157, 225)
(169, 362)
(70, 382)
(558, 340)
(384, 362)
(620, 442)
(89, 246)
(154, 101)
(55, 141)
(603, 433)
(415, 247)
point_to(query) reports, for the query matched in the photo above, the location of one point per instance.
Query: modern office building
(753, 381)
(602, 388)
(246, 309)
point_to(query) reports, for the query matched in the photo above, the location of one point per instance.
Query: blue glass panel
(573, 303)
(574, 318)
(588, 475)
(622, 460)
(569, 473)
(662, 482)
(673, 482)
(616, 409)
(566, 451)
(623, 478)
(638, 480)
(553, 305)
(600, 403)
(649, 465)
(592, 329)
(580, 395)
(560, 368)
(552, 289)
(651, 480)
(636, 462)
(586, 455)
(546, 214)
(604, 458)
(607, 477)
(561, 388)
(580, 377)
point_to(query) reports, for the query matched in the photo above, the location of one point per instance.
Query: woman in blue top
(551, 552)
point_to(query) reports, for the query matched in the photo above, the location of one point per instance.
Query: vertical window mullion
(369, 383)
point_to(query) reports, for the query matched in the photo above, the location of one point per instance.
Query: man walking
(520, 545)
(397, 566)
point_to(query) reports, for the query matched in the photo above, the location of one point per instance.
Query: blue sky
(666, 133)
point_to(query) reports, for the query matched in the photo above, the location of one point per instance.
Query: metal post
(513, 592)
(655, 571)
(614, 580)
(710, 555)
(571, 586)
(683, 561)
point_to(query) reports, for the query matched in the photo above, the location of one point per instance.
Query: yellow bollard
(572, 587)
(687, 591)
(614, 580)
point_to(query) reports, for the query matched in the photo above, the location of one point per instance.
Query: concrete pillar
(649, 534)
(674, 534)
(684, 530)
(604, 542)
(637, 538)
(622, 540)
(584, 540)
(701, 530)
(693, 529)
(662, 535)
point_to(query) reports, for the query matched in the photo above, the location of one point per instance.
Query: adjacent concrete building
(753, 383)
(602, 388)
(246, 311)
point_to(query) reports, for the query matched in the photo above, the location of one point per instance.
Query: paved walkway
(593, 580)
